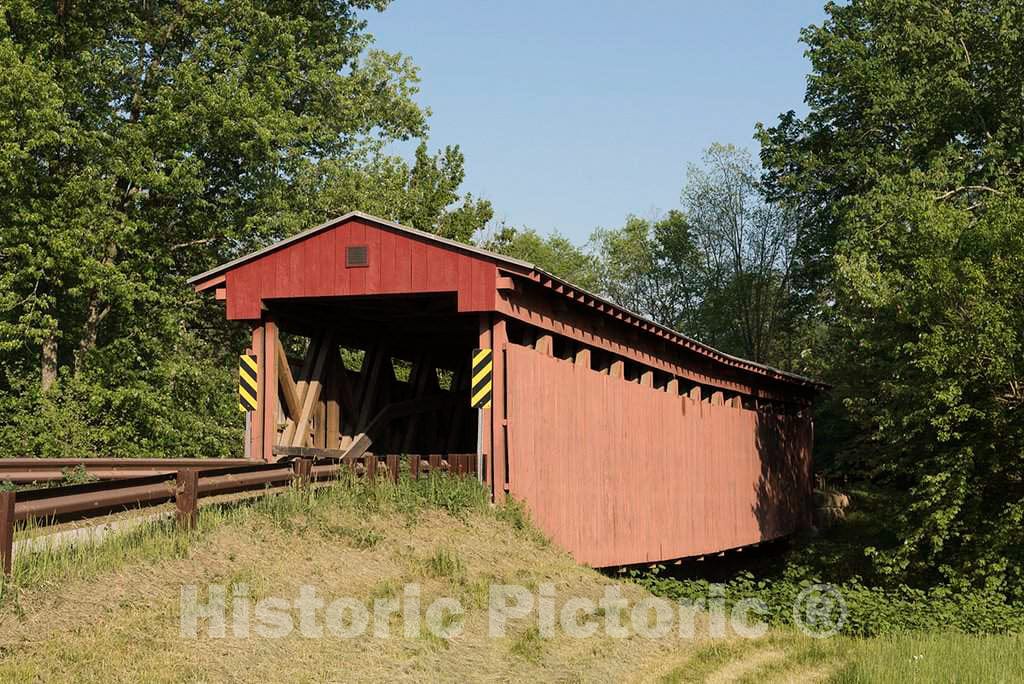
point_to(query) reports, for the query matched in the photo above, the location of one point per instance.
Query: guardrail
(26, 470)
(185, 485)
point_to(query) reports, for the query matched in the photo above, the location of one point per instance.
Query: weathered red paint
(620, 473)
(398, 264)
(624, 464)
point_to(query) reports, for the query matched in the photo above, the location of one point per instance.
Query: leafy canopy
(141, 142)
(908, 173)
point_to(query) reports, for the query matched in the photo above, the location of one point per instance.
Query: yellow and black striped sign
(483, 377)
(247, 393)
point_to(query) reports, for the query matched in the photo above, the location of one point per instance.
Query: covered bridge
(627, 441)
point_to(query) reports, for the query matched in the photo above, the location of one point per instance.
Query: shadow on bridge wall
(783, 492)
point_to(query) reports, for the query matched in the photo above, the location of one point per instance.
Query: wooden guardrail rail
(186, 485)
(26, 470)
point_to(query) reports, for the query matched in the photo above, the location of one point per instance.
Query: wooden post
(333, 415)
(695, 393)
(256, 422)
(7, 530)
(485, 430)
(545, 344)
(302, 471)
(312, 397)
(392, 462)
(617, 369)
(583, 357)
(672, 387)
(268, 394)
(186, 497)
(499, 412)
(647, 378)
(371, 467)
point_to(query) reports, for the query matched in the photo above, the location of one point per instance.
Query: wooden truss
(322, 404)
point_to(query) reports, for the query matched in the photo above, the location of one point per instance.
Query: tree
(908, 171)
(650, 267)
(142, 142)
(746, 246)
(553, 253)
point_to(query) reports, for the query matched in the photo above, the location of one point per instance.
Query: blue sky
(573, 115)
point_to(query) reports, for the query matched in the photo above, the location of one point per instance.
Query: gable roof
(610, 308)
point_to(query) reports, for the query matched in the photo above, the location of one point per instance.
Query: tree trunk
(91, 332)
(48, 366)
(94, 315)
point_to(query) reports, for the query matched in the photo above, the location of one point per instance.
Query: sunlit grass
(162, 539)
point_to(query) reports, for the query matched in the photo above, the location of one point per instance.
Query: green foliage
(141, 143)
(719, 269)
(877, 603)
(907, 171)
(871, 610)
(649, 267)
(553, 253)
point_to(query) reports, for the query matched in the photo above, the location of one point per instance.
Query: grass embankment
(110, 612)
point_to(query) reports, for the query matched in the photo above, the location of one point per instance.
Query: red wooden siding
(619, 473)
(315, 267)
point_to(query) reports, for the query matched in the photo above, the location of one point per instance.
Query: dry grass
(121, 623)
(110, 612)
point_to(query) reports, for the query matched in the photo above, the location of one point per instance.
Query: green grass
(785, 655)
(934, 657)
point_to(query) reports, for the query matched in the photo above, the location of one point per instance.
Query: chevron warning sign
(483, 376)
(247, 394)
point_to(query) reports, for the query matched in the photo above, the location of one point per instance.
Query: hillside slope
(112, 612)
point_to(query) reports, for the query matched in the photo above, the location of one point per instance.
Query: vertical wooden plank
(465, 284)
(617, 368)
(332, 415)
(356, 275)
(302, 471)
(688, 486)
(371, 467)
(403, 264)
(376, 258)
(545, 344)
(388, 274)
(186, 497)
(647, 378)
(268, 395)
(485, 427)
(672, 387)
(340, 276)
(256, 423)
(419, 266)
(7, 501)
(392, 463)
(583, 357)
(499, 412)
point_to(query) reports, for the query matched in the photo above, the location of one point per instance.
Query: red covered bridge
(628, 442)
